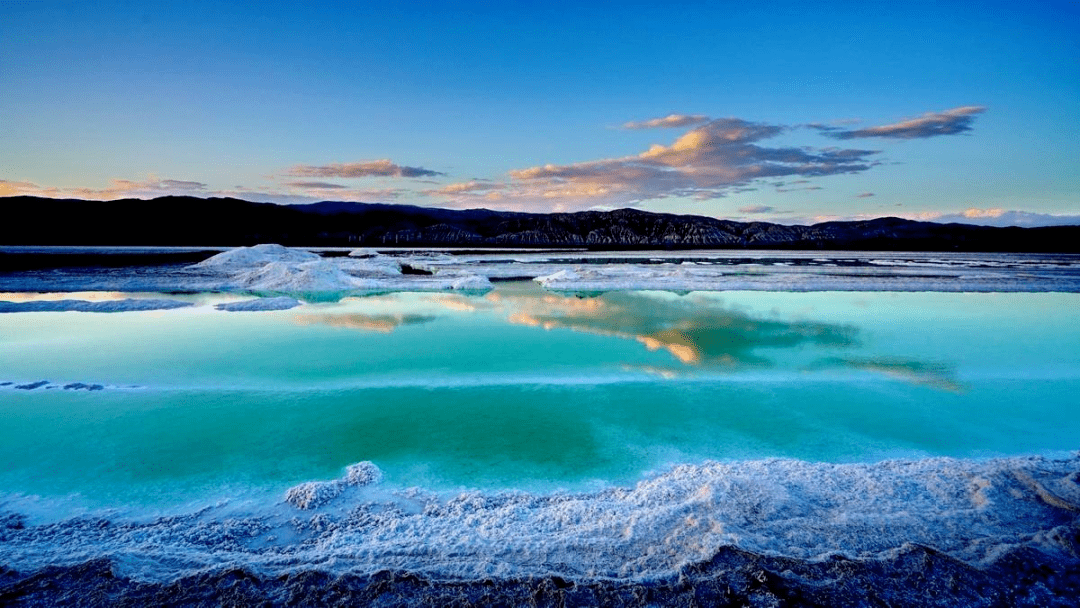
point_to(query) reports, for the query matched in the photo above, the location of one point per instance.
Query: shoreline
(968, 509)
(914, 576)
(1011, 536)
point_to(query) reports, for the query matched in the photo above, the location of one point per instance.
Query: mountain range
(192, 221)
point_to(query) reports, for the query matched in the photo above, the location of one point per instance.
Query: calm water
(522, 388)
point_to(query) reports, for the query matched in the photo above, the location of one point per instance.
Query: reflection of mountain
(695, 331)
(45, 221)
(379, 323)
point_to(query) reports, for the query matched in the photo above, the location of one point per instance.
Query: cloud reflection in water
(696, 331)
(933, 375)
(383, 323)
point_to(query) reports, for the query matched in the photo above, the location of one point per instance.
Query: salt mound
(470, 282)
(314, 494)
(364, 252)
(363, 474)
(378, 266)
(256, 256)
(317, 275)
(431, 262)
(281, 269)
(558, 278)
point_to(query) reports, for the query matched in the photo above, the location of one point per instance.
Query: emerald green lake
(523, 388)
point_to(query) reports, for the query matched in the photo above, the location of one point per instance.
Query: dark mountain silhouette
(175, 220)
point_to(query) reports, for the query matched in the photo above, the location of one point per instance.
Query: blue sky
(790, 112)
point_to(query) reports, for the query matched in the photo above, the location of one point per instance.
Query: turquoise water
(522, 388)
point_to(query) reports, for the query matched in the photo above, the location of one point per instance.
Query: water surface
(523, 388)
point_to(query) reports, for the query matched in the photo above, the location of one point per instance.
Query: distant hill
(177, 220)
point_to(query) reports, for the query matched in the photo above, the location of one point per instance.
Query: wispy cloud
(372, 168)
(864, 195)
(316, 185)
(326, 190)
(832, 125)
(288, 193)
(171, 184)
(973, 215)
(999, 217)
(931, 124)
(670, 121)
(11, 188)
(117, 188)
(469, 187)
(757, 209)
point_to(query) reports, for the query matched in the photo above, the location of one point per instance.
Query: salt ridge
(971, 510)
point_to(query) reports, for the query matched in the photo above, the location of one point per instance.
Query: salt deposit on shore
(273, 268)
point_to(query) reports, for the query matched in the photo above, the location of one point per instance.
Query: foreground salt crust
(973, 511)
(275, 268)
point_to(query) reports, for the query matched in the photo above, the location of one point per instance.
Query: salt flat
(589, 431)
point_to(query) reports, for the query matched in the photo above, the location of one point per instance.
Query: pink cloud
(704, 163)
(117, 188)
(372, 168)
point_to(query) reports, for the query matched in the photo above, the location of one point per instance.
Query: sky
(771, 111)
